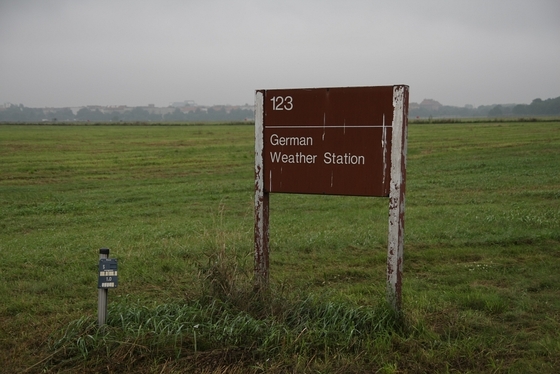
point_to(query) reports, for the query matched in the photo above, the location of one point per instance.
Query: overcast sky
(59, 53)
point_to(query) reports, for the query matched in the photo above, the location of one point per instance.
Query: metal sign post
(332, 141)
(108, 278)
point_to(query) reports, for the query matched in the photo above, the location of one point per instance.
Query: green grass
(175, 205)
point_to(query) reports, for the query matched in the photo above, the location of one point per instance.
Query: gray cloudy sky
(137, 52)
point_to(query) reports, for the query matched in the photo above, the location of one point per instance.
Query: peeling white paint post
(397, 197)
(261, 200)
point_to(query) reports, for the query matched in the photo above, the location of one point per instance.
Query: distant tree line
(209, 115)
(20, 113)
(448, 111)
(549, 107)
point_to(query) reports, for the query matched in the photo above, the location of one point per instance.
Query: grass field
(175, 206)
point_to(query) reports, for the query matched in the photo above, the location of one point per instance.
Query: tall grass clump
(312, 329)
(229, 317)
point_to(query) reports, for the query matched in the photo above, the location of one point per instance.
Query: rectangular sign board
(108, 273)
(334, 141)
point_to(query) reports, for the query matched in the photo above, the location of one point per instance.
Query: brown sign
(334, 141)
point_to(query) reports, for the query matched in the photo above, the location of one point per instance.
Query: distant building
(430, 104)
(413, 106)
(181, 104)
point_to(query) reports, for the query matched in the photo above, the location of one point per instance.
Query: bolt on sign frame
(333, 141)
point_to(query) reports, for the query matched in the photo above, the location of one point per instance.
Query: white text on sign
(329, 158)
(282, 103)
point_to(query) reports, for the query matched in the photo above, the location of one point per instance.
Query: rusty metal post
(397, 197)
(261, 200)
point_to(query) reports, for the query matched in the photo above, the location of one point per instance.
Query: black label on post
(108, 276)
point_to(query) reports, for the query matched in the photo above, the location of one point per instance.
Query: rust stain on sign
(334, 141)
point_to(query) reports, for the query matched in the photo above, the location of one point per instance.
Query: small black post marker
(102, 294)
